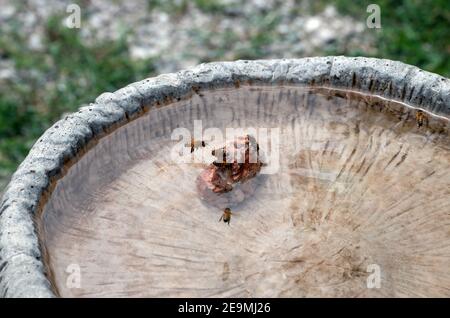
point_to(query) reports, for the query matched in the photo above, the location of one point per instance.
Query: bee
(226, 216)
(421, 118)
(221, 156)
(250, 141)
(195, 144)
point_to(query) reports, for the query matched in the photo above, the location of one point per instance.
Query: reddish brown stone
(232, 178)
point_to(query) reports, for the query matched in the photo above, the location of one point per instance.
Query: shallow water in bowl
(358, 184)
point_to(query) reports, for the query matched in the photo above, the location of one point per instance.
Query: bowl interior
(356, 182)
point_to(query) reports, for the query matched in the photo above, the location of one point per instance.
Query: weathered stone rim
(22, 270)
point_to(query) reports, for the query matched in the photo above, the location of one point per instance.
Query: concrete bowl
(355, 202)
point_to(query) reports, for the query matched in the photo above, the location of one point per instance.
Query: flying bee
(226, 216)
(421, 118)
(195, 144)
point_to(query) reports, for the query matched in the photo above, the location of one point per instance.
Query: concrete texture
(22, 270)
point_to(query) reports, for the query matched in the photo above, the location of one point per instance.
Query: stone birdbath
(353, 199)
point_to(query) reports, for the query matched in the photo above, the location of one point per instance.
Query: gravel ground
(181, 34)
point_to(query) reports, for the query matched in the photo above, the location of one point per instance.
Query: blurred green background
(47, 69)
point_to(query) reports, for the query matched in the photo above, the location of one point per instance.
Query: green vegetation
(416, 32)
(59, 79)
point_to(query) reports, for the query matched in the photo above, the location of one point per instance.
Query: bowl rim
(22, 269)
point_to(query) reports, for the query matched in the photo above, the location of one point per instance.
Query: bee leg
(221, 218)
